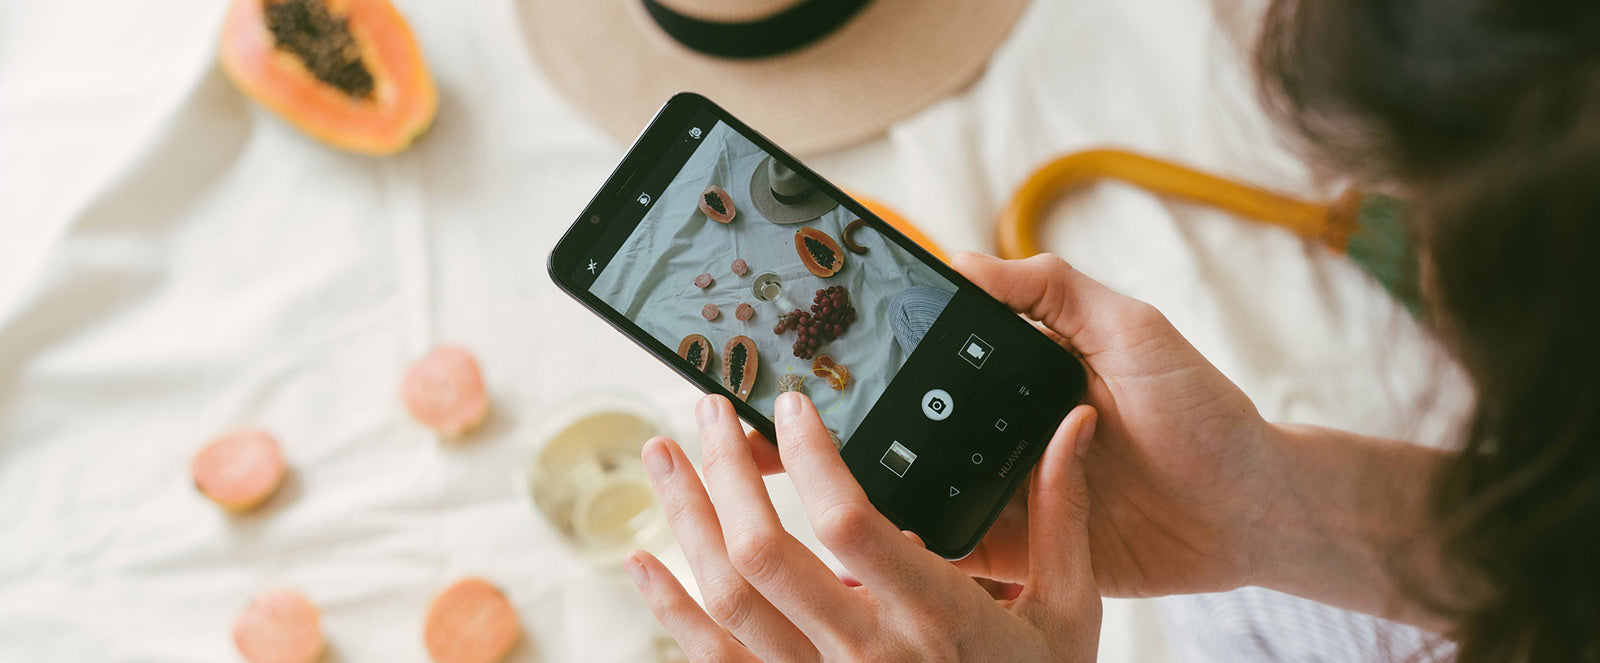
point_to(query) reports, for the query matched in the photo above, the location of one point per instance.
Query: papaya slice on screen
(347, 72)
(818, 252)
(697, 350)
(739, 364)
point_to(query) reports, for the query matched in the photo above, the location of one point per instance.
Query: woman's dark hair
(1485, 115)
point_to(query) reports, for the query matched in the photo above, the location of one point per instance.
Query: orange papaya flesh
(347, 72)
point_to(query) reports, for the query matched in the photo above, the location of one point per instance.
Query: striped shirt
(1253, 624)
(912, 313)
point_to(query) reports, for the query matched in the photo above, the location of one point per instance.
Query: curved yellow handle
(1018, 228)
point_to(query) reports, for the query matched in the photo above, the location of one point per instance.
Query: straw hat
(846, 71)
(785, 196)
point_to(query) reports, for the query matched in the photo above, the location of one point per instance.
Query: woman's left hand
(770, 598)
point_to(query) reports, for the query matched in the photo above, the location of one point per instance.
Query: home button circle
(937, 405)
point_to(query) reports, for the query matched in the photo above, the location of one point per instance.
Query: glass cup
(767, 287)
(584, 475)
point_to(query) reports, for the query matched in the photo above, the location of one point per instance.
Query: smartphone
(748, 274)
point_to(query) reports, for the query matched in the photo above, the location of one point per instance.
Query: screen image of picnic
(759, 278)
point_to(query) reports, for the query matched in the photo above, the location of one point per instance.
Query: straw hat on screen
(784, 196)
(812, 75)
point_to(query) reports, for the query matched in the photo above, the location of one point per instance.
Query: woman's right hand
(1190, 489)
(1176, 473)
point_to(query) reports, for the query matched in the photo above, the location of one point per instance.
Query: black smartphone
(748, 274)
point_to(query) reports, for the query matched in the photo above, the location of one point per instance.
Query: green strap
(1384, 248)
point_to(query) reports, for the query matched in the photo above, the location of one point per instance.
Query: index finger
(840, 513)
(781, 568)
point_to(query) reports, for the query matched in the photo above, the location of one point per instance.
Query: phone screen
(855, 319)
(758, 277)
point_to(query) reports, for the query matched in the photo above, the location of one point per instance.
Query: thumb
(1047, 289)
(1061, 580)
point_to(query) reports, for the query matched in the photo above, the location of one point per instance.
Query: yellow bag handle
(1018, 228)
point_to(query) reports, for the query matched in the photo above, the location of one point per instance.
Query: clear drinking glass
(584, 475)
(767, 287)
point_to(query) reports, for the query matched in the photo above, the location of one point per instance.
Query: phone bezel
(660, 134)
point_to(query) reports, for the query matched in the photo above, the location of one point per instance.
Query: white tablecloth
(174, 261)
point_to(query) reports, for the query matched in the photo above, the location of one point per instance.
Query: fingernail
(657, 461)
(1080, 446)
(706, 412)
(787, 407)
(637, 572)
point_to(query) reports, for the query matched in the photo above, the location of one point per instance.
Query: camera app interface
(768, 285)
(761, 281)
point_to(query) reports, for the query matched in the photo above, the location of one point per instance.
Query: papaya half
(347, 72)
(739, 362)
(717, 204)
(819, 252)
(696, 349)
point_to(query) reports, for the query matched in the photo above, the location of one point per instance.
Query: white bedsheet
(175, 261)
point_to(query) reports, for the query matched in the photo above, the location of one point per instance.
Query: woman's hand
(770, 598)
(1177, 472)
(1192, 490)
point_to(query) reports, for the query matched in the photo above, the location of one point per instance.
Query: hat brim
(780, 212)
(610, 60)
